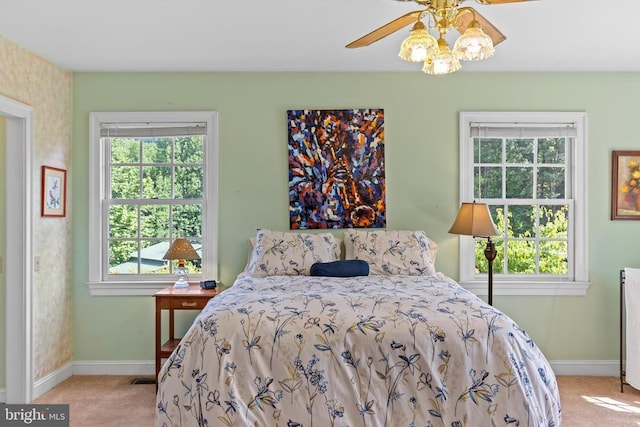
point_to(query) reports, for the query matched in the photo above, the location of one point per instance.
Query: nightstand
(192, 298)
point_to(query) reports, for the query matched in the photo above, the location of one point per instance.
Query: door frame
(19, 383)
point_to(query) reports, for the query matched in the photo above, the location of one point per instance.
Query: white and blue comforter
(363, 351)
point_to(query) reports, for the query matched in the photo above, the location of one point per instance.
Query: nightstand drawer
(187, 303)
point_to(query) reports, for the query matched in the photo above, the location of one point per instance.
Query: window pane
(131, 261)
(154, 221)
(121, 260)
(498, 263)
(553, 257)
(157, 150)
(125, 150)
(551, 150)
(519, 150)
(488, 182)
(551, 183)
(156, 182)
(188, 183)
(189, 149)
(497, 215)
(554, 221)
(125, 182)
(519, 183)
(521, 221)
(482, 264)
(521, 257)
(123, 221)
(151, 261)
(187, 221)
(487, 150)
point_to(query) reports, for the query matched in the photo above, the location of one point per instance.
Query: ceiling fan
(477, 40)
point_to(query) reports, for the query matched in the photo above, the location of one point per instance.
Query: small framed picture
(54, 191)
(625, 185)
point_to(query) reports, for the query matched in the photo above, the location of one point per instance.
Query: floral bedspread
(363, 351)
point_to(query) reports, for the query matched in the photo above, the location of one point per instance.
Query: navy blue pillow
(346, 268)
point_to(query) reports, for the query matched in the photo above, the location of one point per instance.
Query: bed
(401, 346)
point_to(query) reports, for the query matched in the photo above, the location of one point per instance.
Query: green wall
(421, 115)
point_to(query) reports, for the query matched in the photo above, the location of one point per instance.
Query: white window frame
(98, 168)
(578, 233)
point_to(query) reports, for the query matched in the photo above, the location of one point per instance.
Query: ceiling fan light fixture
(474, 44)
(445, 62)
(419, 45)
(477, 36)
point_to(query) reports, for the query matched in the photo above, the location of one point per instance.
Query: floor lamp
(474, 219)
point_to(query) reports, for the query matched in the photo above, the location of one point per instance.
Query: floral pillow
(391, 252)
(280, 253)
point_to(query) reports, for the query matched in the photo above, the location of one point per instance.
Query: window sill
(100, 289)
(530, 288)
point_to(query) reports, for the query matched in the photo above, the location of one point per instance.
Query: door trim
(18, 250)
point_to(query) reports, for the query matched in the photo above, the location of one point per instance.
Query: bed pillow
(281, 253)
(344, 268)
(348, 248)
(391, 252)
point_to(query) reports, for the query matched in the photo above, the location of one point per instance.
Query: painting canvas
(625, 185)
(336, 169)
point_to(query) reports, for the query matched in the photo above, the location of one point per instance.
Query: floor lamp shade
(474, 219)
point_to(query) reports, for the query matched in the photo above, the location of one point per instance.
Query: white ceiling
(308, 35)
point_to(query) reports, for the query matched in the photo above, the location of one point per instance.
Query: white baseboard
(607, 368)
(602, 368)
(114, 367)
(52, 379)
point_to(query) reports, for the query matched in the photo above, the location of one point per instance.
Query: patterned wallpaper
(32, 80)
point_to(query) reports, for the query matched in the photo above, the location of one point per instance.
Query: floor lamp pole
(490, 253)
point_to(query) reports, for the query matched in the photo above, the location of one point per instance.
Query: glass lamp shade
(473, 45)
(419, 45)
(444, 62)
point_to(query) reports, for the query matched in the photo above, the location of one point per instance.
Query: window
(530, 169)
(153, 179)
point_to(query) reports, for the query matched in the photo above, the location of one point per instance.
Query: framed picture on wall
(336, 168)
(625, 185)
(54, 191)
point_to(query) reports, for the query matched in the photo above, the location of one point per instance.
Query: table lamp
(474, 219)
(181, 250)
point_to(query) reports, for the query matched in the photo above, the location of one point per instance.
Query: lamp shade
(474, 44)
(474, 219)
(419, 46)
(444, 62)
(181, 249)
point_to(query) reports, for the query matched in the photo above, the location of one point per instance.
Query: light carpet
(105, 401)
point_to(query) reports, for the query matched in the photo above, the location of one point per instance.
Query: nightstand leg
(158, 343)
(171, 329)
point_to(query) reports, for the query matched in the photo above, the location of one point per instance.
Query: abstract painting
(336, 169)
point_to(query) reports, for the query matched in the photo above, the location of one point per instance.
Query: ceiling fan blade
(464, 19)
(385, 30)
